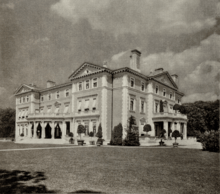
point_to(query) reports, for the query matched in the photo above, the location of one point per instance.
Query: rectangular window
(156, 107)
(23, 99)
(41, 110)
(87, 84)
(80, 86)
(164, 92)
(19, 114)
(57, 110)
(157, 89)
(95, 83)
(132, 104)
(94, 104)
(36, 111)
(178, 101)
(171, 95)
(67, 128)
(142, 87)
(79, 106)
(20, 100)
(67, 92)
(142, 106)
(66, 110)
(49, 110)
(42, 98)
(27, 98)
(171, 108)
(58, 94)
(86, 107)
(49, 96)
(132, 82)
(26, 113)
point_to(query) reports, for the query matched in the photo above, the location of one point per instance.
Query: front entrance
(58, 133)
(39, 131)
(158, 128)
(48, 131)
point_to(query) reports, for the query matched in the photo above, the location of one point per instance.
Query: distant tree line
(202, 116)
(7, 122)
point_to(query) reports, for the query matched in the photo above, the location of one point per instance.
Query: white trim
(66, 110)
(57, 110)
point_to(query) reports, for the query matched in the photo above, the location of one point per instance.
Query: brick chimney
(135, 60)
(50, 84)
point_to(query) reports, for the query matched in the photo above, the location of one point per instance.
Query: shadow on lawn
(86, 191)
(19, 182)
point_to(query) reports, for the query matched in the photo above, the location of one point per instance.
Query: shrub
(132, 139)
(91, 134)
(81, 129)
(147, 128)
(117, 135)
(176, 134)
(70, 134)
(99, 133)
(162, 132)
(210, 141)
(22, 135)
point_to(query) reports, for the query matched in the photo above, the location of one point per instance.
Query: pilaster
(125, 103)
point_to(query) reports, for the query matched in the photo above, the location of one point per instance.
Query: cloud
(8, 5)
(146, 16)
(2, 90)
(210, 96)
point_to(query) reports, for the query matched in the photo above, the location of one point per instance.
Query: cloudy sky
(48, 39)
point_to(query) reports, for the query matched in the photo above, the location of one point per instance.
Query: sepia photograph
(110, 96)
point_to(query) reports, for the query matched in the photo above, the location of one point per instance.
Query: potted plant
(91, 134)
(71, 140)
(175, 134)
(162, 132)
(99, 135)
(22, 135)
(81, 129)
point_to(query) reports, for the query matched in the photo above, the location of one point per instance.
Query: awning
(66, 110)
(94, 103)
(86, 104)
(57, 110)
(79, 105)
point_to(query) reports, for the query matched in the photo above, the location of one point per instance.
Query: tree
(161, 106)
(131, 122)
(91, 134)
(176, 134)
(147, 128)
(7, 122)
(81, 129)
(99, 133)
(117, 135)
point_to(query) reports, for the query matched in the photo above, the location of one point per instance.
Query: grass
(110, 170)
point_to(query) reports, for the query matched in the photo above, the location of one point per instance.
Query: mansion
(96, 95)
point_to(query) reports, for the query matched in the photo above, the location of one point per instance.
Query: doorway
(158, 128)
(39, 131)
(58, 133)
(48, 131)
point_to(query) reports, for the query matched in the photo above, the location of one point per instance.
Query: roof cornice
(55, 87)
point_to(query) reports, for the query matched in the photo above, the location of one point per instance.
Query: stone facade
(96, 95)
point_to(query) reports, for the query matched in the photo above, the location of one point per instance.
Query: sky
(44, 40)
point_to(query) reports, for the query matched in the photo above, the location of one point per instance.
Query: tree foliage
(131, 122)
(210, 141)
(202, 116)
(99, 133)
(81, 129)
(117, 135)
(7, 122)
(147, 128)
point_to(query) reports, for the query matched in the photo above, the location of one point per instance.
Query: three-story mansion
(96, 94)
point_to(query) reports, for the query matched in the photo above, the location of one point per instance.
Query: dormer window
(67, 92)
(142, 86)
(58, 94)
(157, 89)
(164, 92)
(87, 84)
(80, 86)
(132, 82)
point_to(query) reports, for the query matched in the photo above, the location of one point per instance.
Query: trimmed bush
(99, 133)
(176, 134)
(70, 134)
(210, 141)
(147, 128)
(81, 129)
(22, 135)
(132, 139)
(91, 134)
(117, 135)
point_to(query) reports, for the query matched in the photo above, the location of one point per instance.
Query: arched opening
(39, 131)
(58, 132)
(48, 131)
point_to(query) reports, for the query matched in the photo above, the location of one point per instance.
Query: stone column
(125, 104)
(165, 126)
(29, 130)
(52, 130)
(43, 130)
(185, 131)
(90, 126)
(35, 130)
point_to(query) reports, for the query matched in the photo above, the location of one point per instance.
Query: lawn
(109, 170)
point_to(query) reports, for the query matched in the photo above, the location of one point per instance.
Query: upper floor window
(142, 106)
(142, 86)
(132, 104)
(132, 82)
(79, 105)
(86, 107)
(67, 92)
(23, 99)
(178, 100)
(80, 86)
(41, 110)
(49, 96)
(164, 92)
(20, 100)
(94, 104)
(157, 90)
(27, 98)
(58, 94)
(171, 95)
(156, 107)
(95, 82)
(171, 108)
(42, 98)
(87, 84)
